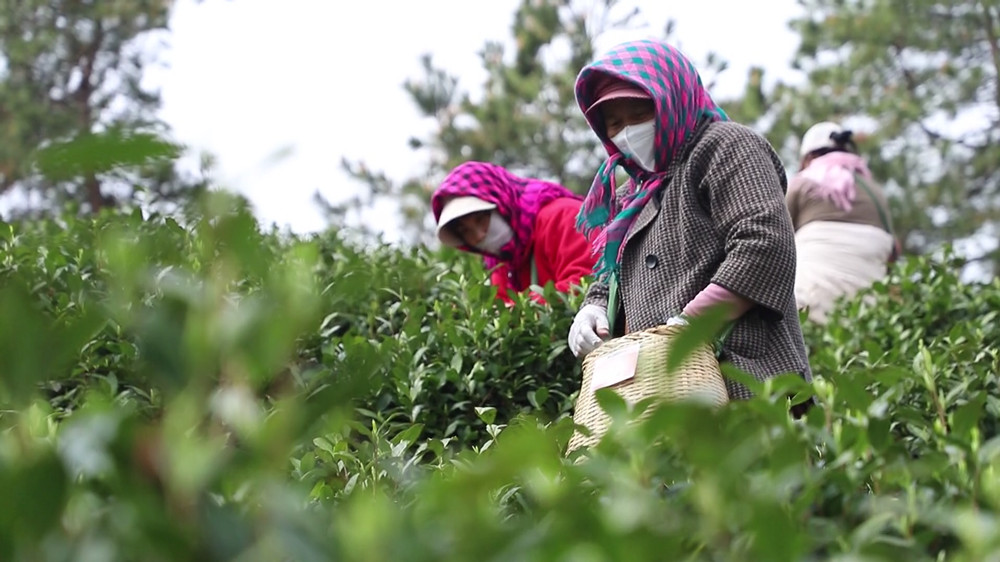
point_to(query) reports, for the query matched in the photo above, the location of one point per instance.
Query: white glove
(590, 326)
(677, 321)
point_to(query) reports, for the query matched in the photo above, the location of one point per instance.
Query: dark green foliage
(192, 388)
(203, 390)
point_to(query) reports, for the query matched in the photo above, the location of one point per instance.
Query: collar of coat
(649, 212)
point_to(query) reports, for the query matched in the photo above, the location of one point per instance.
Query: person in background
(524, 228)
(843, 229)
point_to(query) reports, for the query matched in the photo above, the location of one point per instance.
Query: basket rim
(661, 330)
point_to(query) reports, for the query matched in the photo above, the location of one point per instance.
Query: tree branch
(936, 136)
(991, 36)
(82, 98)
(911, 86)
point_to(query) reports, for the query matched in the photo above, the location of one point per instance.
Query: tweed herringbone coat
(721, 218)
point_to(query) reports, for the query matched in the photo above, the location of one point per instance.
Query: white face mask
(497, 235)
(636, 141)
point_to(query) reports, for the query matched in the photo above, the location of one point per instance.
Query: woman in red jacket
(524, 228)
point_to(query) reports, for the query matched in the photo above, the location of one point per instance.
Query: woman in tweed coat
(701, 222)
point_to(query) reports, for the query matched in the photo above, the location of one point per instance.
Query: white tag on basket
(615, 367)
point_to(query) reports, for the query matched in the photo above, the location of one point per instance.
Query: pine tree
(76, 124)
(923, 78)
(527, 119)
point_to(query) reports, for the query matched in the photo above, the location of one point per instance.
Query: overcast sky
(280, 91)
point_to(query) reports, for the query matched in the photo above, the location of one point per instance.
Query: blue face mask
(637, 142)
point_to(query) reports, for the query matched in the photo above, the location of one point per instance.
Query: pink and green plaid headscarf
(518, 201)
(681, 104)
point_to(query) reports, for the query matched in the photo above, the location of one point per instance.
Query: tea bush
(197, 389)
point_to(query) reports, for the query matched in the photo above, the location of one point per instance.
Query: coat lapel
(646, 216)
(652, 208)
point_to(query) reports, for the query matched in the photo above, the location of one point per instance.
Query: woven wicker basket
(699, 377)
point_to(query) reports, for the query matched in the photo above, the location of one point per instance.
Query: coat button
(652, 261)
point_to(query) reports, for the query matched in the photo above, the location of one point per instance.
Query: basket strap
(722, 337)
(613, 279)
(612, 300)
(886, 224)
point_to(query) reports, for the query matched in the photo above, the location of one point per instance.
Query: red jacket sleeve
(561, 251)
